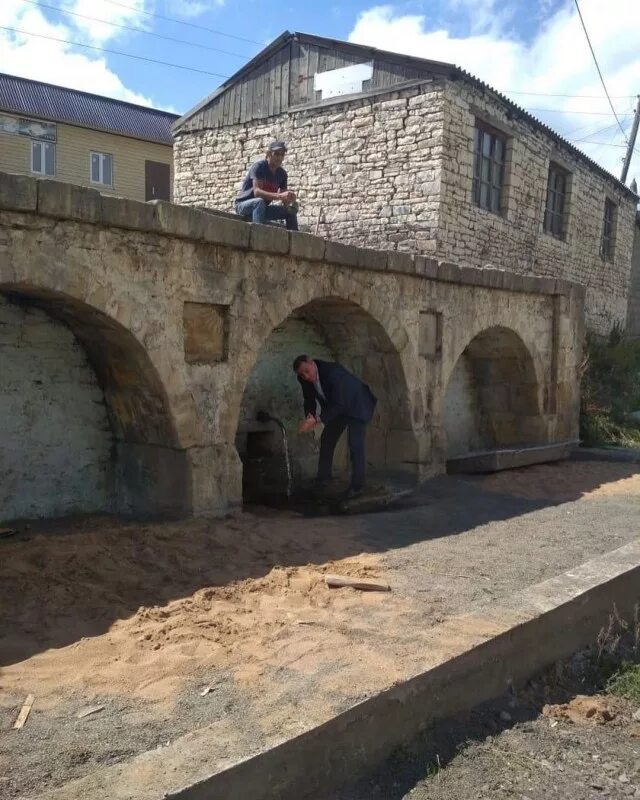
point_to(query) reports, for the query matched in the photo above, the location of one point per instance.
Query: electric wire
(114, 52)
(135, 29)
(586, 33)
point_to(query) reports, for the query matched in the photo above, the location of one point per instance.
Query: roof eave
(275, 45)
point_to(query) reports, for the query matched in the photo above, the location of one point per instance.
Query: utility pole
(632, 142)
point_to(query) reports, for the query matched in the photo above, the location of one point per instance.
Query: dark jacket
(346, 394)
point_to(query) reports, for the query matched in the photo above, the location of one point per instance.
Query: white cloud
(92, 31)
(55, 62)
(191, 8)
(556, 61)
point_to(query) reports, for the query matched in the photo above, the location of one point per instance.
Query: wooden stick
(339, 581)
(24, 712)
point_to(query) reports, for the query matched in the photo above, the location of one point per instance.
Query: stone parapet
(77, 203)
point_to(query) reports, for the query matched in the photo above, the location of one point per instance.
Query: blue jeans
(258, 210)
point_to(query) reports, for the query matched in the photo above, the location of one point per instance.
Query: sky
(534, 51)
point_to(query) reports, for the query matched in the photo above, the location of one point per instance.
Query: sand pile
(106, 606)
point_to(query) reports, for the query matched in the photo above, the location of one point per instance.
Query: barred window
(554, 214)
(608, 230)
(488, 168)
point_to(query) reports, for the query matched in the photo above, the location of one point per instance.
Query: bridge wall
(177, 310)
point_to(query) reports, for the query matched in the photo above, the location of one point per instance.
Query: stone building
(403, 153)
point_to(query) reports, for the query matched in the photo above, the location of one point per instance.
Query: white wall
(56, 438)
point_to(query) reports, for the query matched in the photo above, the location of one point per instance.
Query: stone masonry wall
(394, 171)
(368, 169)
(633, 309)
(176, 307)
(55, 439)
(473, 236)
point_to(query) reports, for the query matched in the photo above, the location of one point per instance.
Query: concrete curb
(484, 652)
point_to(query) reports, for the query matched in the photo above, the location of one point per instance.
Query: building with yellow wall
(116, 147)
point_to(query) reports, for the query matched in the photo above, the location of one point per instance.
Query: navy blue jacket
(346, 395)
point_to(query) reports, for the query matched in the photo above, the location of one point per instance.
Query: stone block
(447, 271)
(226, 230)
(493, 278)
(175, 220)
(339, 253)
(427, 267)
(430, 334)
(401, 262)
(205, 333)
(307, 247)
(471, 276)
(269, 239)
(67, 201)
(18, 192)
(372, 259)
(130, 214)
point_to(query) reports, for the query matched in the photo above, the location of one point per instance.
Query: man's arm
(309, 398)
(261, 186)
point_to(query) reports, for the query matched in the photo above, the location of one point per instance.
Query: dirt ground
(172, 626)
(544, 743)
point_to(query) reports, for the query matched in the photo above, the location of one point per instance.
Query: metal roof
(449, 71)
(59, 104)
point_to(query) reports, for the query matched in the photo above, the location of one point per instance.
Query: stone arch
(492, 398)
(147, 472)
(331, 328)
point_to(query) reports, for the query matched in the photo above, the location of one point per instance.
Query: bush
(610, 390)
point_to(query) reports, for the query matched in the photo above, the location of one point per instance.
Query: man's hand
(287, 197)
(308, 424)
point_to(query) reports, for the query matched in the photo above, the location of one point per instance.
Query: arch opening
(331, 329)
(91, 429)
(492, 397)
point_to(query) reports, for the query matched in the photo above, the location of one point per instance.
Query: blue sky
(533, 50)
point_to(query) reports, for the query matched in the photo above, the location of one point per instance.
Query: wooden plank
(24, 712)
(286, 65)
(341, 581)
(258, 93)
(225, 108)
(268, 84)
(298, 74)
(276, 87)
(243, 100)
(312, 68)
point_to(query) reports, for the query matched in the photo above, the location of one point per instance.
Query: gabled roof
(59, 104)
(450, 71)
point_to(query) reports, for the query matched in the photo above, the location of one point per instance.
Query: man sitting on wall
(264, 185)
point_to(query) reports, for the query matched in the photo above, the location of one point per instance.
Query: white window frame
(102, 157)
(43, 161)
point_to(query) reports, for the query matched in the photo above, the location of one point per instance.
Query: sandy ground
(171, 626)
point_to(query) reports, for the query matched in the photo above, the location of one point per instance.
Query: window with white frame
(101, 168)
(43, 158)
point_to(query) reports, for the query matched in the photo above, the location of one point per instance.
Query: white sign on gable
(346, 80)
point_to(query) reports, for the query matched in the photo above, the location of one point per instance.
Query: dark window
(488, 168)
(608, 229)
(554, 212)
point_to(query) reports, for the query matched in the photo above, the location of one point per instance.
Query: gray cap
(274, 146)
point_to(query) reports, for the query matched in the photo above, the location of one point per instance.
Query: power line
(114, 52)
(134, 28)
(570, 112)
(180, 22)
(585, 96)
(584, 28)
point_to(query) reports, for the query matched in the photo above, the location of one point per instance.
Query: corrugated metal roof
(450, 71)
(59, 104)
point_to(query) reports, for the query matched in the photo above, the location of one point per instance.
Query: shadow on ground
(67, 579)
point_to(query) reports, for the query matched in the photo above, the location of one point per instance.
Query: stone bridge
(137, 342)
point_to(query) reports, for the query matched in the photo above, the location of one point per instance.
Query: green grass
(626, 682)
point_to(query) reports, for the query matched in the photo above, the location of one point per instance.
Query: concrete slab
(473, 657)
(510, 458)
